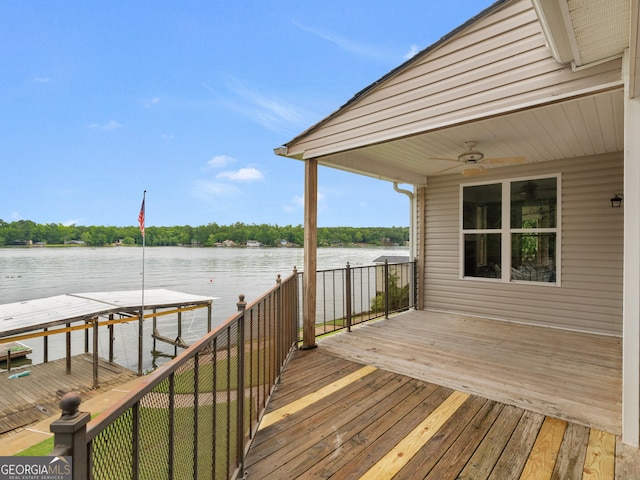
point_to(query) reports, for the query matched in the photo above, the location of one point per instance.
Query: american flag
(141, 218)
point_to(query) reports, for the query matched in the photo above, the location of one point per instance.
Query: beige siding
(589, 297)
(499, 63)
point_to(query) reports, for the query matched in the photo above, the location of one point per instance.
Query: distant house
(253, 243)
(518, 132)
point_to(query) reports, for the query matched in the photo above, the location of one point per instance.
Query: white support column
(310, 253)
(631, 283)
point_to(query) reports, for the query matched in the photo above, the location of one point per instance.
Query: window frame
(506, 231)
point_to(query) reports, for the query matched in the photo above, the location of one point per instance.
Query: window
(510, 230)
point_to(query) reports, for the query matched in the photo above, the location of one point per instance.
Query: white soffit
(600, 27)
(585, 32)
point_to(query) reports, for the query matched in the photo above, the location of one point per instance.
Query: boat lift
(88, 311)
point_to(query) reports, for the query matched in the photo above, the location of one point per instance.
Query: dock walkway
(34, 397)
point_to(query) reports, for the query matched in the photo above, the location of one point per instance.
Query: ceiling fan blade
(505, 160)
(445, 159)
(445, 170)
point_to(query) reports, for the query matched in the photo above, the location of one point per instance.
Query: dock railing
(195, 416)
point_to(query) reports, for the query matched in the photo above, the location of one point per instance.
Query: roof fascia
(557, 29)
(365, 91)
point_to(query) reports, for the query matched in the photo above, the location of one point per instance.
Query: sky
(102, 100)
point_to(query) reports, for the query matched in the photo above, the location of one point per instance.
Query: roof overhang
(585, 35)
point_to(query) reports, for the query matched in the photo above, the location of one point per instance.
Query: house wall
(589, 297)
(498, 63)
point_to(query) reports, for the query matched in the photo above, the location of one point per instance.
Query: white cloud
(73, 221)
(210, 190)
(15, 216)
(344, 42)
(112, 125)
(220, 161)
(412, 51)
(271, 112)
(297, 202)
(248, 174)
(151, 102)
(42, 79)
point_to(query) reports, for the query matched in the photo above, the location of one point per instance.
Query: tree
(398, 296)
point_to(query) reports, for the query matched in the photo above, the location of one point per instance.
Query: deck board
(378, 418)
(569, 375)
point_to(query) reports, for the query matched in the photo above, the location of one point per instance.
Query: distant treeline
(26, 232)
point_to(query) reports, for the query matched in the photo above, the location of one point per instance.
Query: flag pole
(140, 321)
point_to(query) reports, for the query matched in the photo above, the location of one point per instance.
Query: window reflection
(482, 255)
(533, 257)
(532, 231)
(482, 207)
(533, 203)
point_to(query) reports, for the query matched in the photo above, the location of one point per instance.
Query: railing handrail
(346, 298)
(154, 378)
(257, 342)
(353, 267)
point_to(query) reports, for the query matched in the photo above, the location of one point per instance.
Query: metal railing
(195, 415)
(352, 295)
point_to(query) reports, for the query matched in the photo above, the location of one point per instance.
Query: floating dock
(29, 390)
(12, 350)
(34, 397)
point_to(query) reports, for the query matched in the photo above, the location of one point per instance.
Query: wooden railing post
(70, 434)
(95, 352)
(68, 351)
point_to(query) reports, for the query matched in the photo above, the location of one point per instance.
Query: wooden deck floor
(568, 375)
(334, 418)
(35, 397)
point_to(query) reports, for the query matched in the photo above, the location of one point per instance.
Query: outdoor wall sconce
(616, 200)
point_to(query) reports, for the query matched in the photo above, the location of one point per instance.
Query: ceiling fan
(471, 161)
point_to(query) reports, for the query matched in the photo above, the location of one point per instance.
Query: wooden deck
(333, 418)
(28, 399)
(430, 395)
(568, 375)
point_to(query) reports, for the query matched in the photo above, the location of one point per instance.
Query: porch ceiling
(578, 127)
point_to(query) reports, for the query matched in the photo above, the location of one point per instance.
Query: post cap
(69, 404)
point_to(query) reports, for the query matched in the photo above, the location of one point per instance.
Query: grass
(41, 449)
(216, 436)
(184, 381)
(112, 447)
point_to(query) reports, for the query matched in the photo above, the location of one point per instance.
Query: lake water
(224, 273)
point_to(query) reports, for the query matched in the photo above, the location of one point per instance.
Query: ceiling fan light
(470, 156)
(472, 170)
